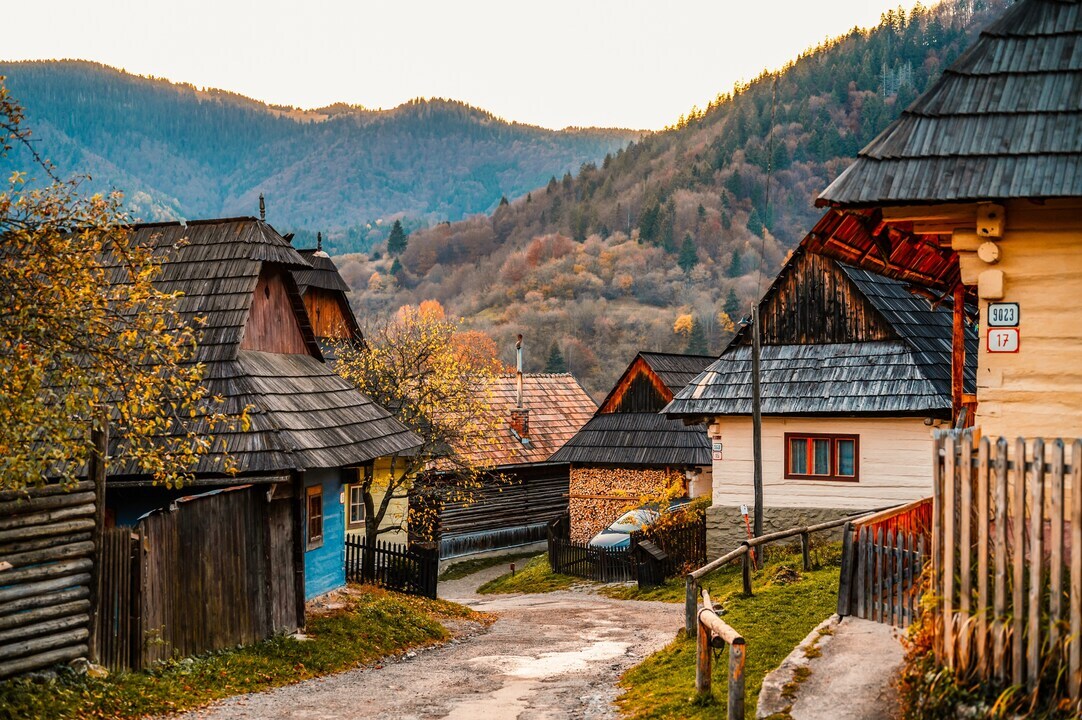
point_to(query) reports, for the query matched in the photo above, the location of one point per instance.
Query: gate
(883, 557)
(118, 628)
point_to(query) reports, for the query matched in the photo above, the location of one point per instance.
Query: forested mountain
(660, 245)
(178, 151)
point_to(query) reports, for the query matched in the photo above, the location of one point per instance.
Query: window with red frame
(822, 457)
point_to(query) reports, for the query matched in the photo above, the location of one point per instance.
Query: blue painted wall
(325, 567)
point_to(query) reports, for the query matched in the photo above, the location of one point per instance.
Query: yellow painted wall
(1036, 392)
(396, 513)
(895, 463)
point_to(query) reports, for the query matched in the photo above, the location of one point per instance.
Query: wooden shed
(628, 450)
(855, 372)
(976, 190)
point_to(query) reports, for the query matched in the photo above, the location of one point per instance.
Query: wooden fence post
(691, 601)
(1055, 572)
(1036, 536)
(96, 471)
(983, 604)
(950, 474)
(1075, 659)
(999, 627)
(746, 572)
(702, 661)
(805, 550)
(736, 679)
(845, 583)
(1018, 565)
(965, 547)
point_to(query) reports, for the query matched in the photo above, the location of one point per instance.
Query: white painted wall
(895, 463)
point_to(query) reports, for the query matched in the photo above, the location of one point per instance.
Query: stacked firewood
(599, 495)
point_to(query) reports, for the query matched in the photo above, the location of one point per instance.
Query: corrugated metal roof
(558, 407)
(1004, 121)
(303, 415)
(636, 439)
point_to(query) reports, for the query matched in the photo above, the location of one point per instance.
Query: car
(617, 536)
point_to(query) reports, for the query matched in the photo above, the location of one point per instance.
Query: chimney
(262, 208)
(520, 416)
(319, 242)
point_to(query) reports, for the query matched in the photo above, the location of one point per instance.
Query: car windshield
(633, 521)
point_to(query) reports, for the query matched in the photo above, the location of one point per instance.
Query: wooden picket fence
(883, 557)
(1007, 561)
(592, 563)
(410, 569)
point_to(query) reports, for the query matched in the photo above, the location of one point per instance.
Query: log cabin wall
(1037, 391)
(325, 312)
(272, 320)
(815, 303)
(600, 495)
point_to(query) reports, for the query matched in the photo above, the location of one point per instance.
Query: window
(822, 457)
(315, 516)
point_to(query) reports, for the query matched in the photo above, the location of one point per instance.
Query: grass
(774, 620)
(534, 577)
(372, 624)
(469, 567)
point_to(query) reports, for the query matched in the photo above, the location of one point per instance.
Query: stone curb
(771, 700)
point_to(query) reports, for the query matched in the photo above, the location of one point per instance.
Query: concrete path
(851, 678)
(548, 656)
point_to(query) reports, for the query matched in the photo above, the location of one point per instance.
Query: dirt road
(549, 656)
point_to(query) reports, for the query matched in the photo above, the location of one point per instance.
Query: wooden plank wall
(272, 324)
(1007, 553)
(46, 561)
(217, 572)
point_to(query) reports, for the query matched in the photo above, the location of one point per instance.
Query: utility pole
(756, 422)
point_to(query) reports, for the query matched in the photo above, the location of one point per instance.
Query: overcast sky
(616, 63)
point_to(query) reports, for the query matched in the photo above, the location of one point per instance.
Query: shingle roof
(303, 415)
(648, 439)
(321, 273)
(1004, 121)
(907, 372)
(868, 378)
(558, 408)
(676, 370)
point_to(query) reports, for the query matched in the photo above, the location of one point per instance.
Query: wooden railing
(1008, 535)
(744, 554)
(713, 633)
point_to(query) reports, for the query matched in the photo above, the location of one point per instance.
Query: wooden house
(628, 450)
(855, 371)
(976, 190)
(525, 490)
(310, 429)
(326, 301)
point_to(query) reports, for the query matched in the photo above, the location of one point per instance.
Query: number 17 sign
(1003, 340)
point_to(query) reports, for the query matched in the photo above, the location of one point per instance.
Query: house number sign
(1003, 315)
(1003, 320)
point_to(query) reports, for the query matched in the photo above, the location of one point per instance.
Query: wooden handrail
(691, 581)
(715, 632)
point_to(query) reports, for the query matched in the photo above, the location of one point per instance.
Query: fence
(744, 554)
(1008, 537)
(410, 569)
(883, 557)
(683, 541)
(46, 575)
(592, 563)
(713, 632)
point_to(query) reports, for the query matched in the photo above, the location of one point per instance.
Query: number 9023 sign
(1003, 315)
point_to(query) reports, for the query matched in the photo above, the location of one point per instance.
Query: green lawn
(373, 624)
(469, 567)
(774, 620)
(533, 577)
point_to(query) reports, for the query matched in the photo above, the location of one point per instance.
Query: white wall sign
(1003, 315)
(1003, 340)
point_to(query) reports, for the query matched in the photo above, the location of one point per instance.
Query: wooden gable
(329, 317)
(277, 321)
(813, 302)
(638, 390)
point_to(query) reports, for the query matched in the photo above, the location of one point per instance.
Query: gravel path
(552, 655)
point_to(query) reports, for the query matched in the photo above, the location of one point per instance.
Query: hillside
(670, 233)
(178, 151)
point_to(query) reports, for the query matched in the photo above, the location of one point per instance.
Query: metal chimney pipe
(518, 379)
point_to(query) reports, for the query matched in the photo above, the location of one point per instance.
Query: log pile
(599, 495)
(46, 560)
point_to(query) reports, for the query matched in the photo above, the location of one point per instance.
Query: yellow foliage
(684, 323)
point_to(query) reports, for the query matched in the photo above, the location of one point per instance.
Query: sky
(557, 63)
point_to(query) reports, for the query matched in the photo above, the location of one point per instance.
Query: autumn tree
(396, 241)
(696, 339)
(437, 380)
(87, 342)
